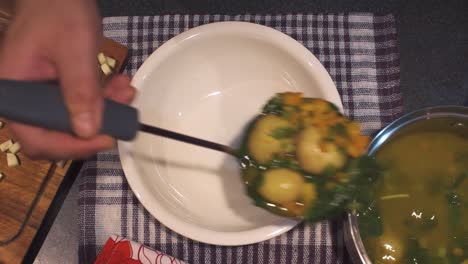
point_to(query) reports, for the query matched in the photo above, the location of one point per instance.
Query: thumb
(81, 90)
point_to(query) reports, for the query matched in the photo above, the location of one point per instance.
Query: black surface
(154, 7)
(433, 36)
(433, 53)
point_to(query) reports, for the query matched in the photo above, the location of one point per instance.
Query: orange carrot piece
(292, 98)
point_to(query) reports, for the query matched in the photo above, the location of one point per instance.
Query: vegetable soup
(419, 211)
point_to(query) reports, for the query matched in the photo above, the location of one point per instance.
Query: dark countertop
(433, 36)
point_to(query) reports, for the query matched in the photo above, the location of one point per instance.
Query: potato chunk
(261, 143)
(314, 155)
(309, 194)
(281, 186)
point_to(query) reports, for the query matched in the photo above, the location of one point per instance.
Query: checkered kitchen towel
(360, 53)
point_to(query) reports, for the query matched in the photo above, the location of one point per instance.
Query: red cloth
(118, 250)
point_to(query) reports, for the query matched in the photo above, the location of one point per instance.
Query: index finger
(79, 79)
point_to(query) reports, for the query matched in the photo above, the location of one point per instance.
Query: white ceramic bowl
(209, 82)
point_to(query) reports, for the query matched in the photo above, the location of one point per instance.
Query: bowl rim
(197, 233)
(352, 236)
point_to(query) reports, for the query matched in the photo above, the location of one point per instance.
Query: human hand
(59, 40)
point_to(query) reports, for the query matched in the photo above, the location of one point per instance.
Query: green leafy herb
(370, 222)
(454, 209)
(454, 199)
(274, 106)
(283, 132)
(279, 162)
(250, 174)
(366, 170)
(328, 205)
(454, 215)
(364, 173)
(415, 254)
(288, 110)
(333, 107)
(462, 157)
(358, 191)
(328, 172)
(459, 180)
(435, 184)
(338, 130)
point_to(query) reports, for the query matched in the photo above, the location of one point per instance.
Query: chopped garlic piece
(2, 176)
(12, 160)
(111, 62)
(101, 58)
(106, 69)
(6, 145)
(15, 148)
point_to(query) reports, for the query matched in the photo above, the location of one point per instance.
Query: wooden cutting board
(25, 195)
(27, 190)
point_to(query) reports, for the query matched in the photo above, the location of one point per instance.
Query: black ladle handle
(41, 104)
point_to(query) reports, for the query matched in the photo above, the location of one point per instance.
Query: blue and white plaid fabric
(360, 53)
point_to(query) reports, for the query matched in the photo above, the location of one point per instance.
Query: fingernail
(84, 124)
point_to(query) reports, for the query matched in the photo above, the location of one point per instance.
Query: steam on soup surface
(419, 214)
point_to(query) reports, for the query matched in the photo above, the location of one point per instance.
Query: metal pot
(437, 116)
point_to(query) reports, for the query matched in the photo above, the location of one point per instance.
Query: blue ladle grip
(41, 104)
